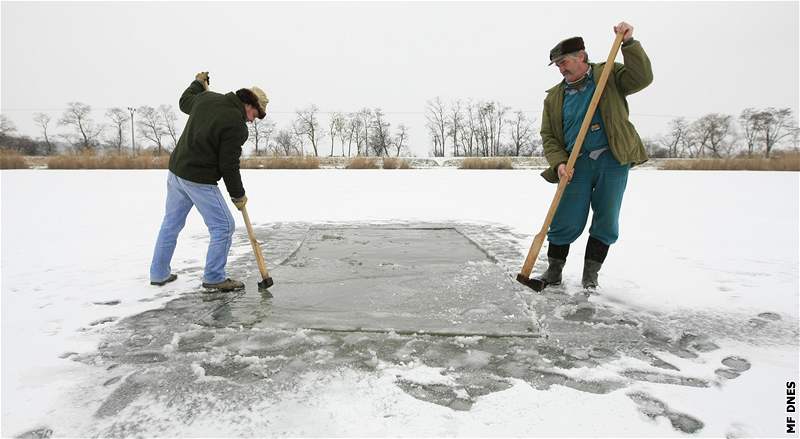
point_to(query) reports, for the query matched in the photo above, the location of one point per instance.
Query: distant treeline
(489, 129)
(461, 129)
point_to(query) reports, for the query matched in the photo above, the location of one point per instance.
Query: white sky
(707, 57)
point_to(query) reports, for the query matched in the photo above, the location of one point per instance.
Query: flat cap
(570, 45)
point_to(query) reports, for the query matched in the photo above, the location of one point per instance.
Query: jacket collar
(595, 69)
(238, 102)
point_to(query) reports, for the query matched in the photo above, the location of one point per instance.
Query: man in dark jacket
(610, 148)
(208, 149)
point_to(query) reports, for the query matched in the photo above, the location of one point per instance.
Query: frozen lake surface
(394, 310)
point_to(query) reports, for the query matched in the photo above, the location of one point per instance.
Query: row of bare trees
(362, 133)
(716, 135)
(484, 128)
(464, 128)
(488, 128)
(81, 132)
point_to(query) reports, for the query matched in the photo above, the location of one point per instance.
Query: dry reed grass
(280, 163)
(395, 163)
(786, 161)
(111, 161)
(12, 160)
(362, 163)
(484, 163)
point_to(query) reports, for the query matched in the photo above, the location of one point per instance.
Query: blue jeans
(597, 183)
(181, 196)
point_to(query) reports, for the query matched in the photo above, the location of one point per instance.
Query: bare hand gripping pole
(262, 266)
(524, 276)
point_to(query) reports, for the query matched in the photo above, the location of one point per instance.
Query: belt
(596, 153)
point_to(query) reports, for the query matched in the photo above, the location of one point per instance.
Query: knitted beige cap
(263, 100)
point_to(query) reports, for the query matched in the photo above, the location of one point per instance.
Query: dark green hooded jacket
(624, 141)
(211, 143)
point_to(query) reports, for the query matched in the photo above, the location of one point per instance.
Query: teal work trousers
(597, 183)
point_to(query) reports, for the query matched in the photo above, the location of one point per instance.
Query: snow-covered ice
(695, 327)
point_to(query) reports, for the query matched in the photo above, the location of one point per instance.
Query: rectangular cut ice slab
(402, 279)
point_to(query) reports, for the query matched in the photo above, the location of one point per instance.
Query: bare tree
(340, 127)
(260, 132)
(796, 137)
(332, 130)
(437, 142)
(336, 128)
(435, 113)
(381, 138)
(308, 125)
(168, 119)
(677, 139)
(777, 124)
(150, 126)
(711, 133)
(43, 120)
(497, 130)
(751, 122)
(485, 131)
(521, 133)
(286, 142)
(692, 148)
(469, 130)
(299, 137)
(366, 120)
(7, 138)
(78, 116)
(7, 126)
(400, 139)
(119, 119)
(454, 119)
(487, 114)
(354, 132)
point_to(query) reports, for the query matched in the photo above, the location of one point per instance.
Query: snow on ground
(719, 244)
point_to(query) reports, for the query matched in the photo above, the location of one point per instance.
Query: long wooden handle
(262, 266)
(538, 240)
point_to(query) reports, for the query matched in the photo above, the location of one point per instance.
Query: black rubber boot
(552, 276)
(596, 253)
(590, 271)
(556, 258)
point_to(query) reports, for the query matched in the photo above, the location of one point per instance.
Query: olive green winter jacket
(624, 142)
(211, 143)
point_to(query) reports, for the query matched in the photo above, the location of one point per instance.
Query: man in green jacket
(208, 149)
(610, 148)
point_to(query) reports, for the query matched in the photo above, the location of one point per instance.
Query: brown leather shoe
(226, 285)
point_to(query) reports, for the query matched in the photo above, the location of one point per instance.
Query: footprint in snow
(736, 363)
(735, 367)
(763, 319)
(770, 316)
(727, 374)
(112, 380)
(653, 408)
(103, 320)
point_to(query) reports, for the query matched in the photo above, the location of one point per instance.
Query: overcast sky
(707, 57)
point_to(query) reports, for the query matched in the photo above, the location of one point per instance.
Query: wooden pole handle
(262, 266)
